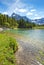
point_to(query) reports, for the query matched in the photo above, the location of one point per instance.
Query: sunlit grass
(8, 47)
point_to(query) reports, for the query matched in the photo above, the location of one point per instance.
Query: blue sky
(33, 9)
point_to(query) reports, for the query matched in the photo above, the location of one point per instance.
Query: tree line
(9, 22)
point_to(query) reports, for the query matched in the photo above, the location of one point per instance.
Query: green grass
(39, 27)
(8, 47)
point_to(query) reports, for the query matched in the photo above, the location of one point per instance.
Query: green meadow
(8, 47)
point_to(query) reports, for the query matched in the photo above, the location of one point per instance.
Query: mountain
(39, 21)
(26, 19)
(18, 17)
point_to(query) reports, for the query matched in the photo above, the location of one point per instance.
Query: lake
(32, 44)
(33, 36)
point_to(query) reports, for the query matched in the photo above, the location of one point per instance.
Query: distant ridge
(40, 21)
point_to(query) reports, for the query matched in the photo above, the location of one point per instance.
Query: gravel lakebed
(26, 54)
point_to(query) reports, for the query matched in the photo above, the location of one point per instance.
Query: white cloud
(4, 13)
(38, 17)
(33, 10)
(29, 13)
(36, 14)
(20, 10)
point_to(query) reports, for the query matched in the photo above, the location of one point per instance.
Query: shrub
(13, 44)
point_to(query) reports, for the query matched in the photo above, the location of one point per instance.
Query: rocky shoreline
(3, 28)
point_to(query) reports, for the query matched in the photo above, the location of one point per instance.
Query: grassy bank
(39, 27)
(8, 47)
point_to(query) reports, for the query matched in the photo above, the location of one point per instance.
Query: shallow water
(31, 43)
(34, 36)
